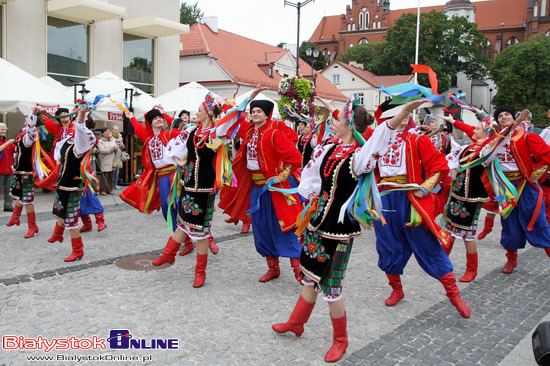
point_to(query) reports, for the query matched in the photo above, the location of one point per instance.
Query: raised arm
(141, 131)
(84, 139)
(30, 128)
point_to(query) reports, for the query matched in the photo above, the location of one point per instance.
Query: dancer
(151, 190)
(329, 237)
(268, 157)
(307, 142)
(413, 161)
(193, 151)
(524, 160)
(468, 192)
(73, 156)
(22, 189)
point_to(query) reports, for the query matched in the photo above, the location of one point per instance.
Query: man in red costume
(61, 130)
(268, 153)
(410, 215)
(524, 160)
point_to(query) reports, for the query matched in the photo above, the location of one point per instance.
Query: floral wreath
(299, 93)
(348, 109)
(209, 104)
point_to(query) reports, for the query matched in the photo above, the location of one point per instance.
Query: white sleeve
(84, 139)
(378, 144)
(453, 157)
(177, 147)
(310, 180)
(493, 151)
(545, 135)
(30, 130)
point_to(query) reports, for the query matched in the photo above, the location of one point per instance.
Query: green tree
(318, 62)
(281, 44)
(522, 75)
(363, 53)
(447, 45)
(190, 14)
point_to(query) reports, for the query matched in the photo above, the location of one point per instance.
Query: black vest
(69, 175)
(199, 174)
(305, 149)
(335, 191)
(23, 160)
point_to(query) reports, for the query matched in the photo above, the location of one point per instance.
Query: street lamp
(298, 6)
(315, 53)
(83, 91)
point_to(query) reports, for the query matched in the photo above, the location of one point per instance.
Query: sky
(271, 22)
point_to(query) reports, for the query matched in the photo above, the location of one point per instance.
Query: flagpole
(416, 51)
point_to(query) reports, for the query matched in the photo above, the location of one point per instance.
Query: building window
(361, 98)
(353, 27)
(67, 51)
(454, 81)
(364, 19)
(363, 41)
(336, 79)
(374, 24)
(379, 24)
(512, 41)
(487, 50)
(536, 10)
(138, 66)
(350, 45)
(349, 27)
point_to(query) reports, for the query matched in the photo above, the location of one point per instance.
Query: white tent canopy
(187, 97)
(54, 84)
(107, 83)
(262, 96)
(20, 91)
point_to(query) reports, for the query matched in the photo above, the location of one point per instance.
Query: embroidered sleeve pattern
(30, 130)
(84, 139)
(378, 145)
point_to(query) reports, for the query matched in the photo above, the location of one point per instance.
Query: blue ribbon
(269, 187)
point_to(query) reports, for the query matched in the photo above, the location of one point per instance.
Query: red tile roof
(242, 58)
(329, 25)
(373, 79)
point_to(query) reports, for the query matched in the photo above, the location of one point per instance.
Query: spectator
(117, 164)
(107, 149)
(7, 149)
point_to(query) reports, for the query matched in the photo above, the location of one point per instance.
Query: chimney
(356, 64)
(211, 22)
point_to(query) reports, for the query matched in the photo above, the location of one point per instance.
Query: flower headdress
(209, 104)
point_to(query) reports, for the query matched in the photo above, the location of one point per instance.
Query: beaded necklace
(200, 138)
(341, 152)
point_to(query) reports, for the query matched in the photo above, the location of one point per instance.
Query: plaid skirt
(22, 188)
(330, 279)
(67, 207)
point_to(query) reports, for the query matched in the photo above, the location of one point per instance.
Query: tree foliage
(447, 45)
(190, 14)
(318, 62)
(363, 53)
(522, 75)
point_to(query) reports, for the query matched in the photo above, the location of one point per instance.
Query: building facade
(72, 40)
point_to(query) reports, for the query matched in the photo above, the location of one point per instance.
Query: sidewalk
(228, 321)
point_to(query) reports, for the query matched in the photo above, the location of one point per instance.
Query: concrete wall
(200, 68)
(26, 35)
(106, 47)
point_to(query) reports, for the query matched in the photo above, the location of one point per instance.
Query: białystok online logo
(118, 339)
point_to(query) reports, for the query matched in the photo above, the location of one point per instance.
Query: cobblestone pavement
(228, 321)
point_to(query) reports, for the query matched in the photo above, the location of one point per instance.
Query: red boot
(232, 220)
(298, 318)
(78, 250)
(547, 250)
(295, 264)
(169, 253)
(397, 293)
(453, 293)
(273, 271)
(212, 245)
(100, 221)
(339, 339)
(245, 228)
(57, 234)
(449, 248)
(200, 270)
(14, 220)
(471, 268)
(487, 227)
(188, 246)
(87, 221)
(512, 256)
(31, 219)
